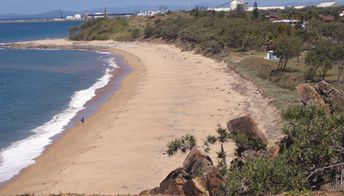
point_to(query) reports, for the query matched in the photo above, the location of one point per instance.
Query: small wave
(103, 52)
(22, 153)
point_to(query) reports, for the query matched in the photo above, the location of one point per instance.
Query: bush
(263, 176)
(135, 33)
(311, 156)
(183, 144)
(240, 50)
(148, 32)
(244, 143)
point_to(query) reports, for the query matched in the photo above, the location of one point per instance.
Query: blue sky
(37, 6)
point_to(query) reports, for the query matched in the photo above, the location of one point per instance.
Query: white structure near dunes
(328, 4)
(235, 3)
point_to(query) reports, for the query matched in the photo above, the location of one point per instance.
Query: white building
(271, 55)
(220, 9)
(151, 13)
(328, 4)
(341, 14)
(75, 17)
(268, 8)
(236, 3)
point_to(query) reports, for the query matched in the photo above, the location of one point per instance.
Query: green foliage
(100, 29)
(286, 47)
(182, 144)
(317, 141)
(311, 155)
(323, 57)
(244, 143)
(211, 139)
(263, 176)
(240, 50)
(136, 33)
(148, 32)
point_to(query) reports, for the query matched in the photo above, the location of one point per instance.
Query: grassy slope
(280, 87)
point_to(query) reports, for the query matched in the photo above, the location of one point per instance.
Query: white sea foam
(103, 52)
(22, 153)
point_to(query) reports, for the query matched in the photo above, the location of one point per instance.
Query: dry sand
(121, 148)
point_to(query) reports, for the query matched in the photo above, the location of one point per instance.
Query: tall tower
(61, 14)
(105, 12)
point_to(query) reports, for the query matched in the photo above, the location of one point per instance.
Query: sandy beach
(120, 149)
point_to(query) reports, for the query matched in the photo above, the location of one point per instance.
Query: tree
(339, 60)
(321, 57)
(255, 12)
(223, 135)
(286, 47)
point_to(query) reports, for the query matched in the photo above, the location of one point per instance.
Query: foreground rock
(309, 96)
(198, 176)
(247, 126)
(197, 163)
(332, 96)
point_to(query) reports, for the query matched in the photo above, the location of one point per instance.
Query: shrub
(183, 144)
(263, 176)
(149, 31)
(311, 156)
(135, 33)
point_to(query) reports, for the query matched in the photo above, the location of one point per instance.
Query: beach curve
(120, 149)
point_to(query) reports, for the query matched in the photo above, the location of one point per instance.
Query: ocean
(26, 31)
(42, 91)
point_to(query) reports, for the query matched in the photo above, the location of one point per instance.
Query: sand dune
(121, 148)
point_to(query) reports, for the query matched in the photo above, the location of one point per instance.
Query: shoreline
(102, 95)
(120, 148)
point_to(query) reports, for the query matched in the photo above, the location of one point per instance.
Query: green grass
(257, 69)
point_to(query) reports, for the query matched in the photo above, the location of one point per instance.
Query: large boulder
(173, 184)
(214, 182)
(197, 163)
(332, 95)
(273, 151)
(309, 96)
(247, 126)
(323, 87)
(196, 186)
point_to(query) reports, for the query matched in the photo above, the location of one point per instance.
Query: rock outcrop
(197, 163)
(322, 95)
(247, 126)
(198, 176)
(309, 96)
(331, 96)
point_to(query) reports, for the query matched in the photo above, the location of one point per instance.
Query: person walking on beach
(82, 120)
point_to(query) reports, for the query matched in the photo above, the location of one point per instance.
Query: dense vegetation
(312, 153)
(310, 50)
(310, 156)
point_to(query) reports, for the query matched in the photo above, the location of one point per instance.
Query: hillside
(310, 156)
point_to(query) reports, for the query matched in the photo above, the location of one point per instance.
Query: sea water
(41, 91)
(26, 31)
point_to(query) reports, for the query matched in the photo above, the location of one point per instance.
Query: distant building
(272, 18)
(220, 9)
(271, 55)
(341, 14)
(152, 13)
(75, 17)
(268, 8)
(237, 3)
(327, 4)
